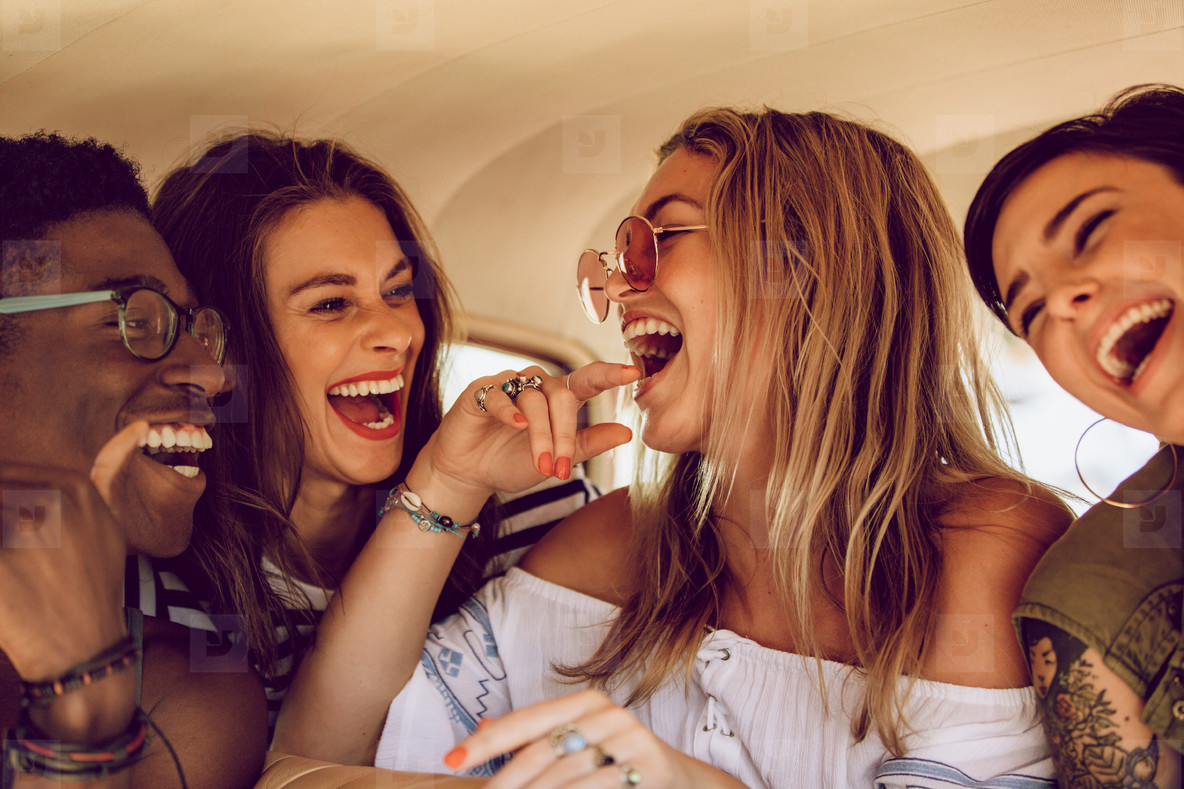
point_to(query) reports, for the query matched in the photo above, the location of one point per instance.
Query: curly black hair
(46, 179)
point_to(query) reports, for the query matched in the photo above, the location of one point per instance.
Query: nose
(615, 287)
(189, 365)
(1070, 294)
(386, 329)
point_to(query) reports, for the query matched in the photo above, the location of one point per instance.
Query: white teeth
(186, 471)
(386, 422)
(365, 388)
(182, 438)
(648, 326)
(1141, 313)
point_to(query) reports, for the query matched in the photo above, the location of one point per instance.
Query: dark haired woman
(338, 316)
(1075, 243)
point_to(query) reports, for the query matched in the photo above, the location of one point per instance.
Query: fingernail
(632, 367)
(484, 722)
(455, 758)
(519, 419)
(545, 465)
(563, 467)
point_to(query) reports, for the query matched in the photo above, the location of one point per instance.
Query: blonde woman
(817, 590)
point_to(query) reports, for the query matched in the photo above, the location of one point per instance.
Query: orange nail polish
(455, 758)
(519, 419)
(484, 722)
(563, 467)
(545, 465)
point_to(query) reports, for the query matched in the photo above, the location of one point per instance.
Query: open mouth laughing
(1128, 342)
(652, 343)
(177, 446)
(369, 405)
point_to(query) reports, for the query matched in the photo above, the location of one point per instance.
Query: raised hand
(61, 560)
(517, 441)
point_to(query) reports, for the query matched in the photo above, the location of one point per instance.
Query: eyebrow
(662, 202)
(1054, 224)
(345, 280)
(136, 281)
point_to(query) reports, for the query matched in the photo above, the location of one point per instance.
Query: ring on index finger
(479, 396)
(519, 384)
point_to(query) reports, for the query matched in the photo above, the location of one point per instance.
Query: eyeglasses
(636, 257)
(148, 319)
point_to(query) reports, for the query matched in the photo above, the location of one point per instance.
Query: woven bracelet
(426, 519)
(32, 751)
(110, 661)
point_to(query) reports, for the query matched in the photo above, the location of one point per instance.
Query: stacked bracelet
(31, 751)
(426, 519)
(110, 661)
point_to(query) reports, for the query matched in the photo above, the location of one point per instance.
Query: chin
(159, 538)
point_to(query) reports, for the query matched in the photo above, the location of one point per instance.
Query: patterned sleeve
(460, 679)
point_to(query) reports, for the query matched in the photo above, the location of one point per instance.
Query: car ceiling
(524, 129)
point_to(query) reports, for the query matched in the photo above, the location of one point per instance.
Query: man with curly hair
(107, 371)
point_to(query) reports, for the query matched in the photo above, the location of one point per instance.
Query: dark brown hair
(1142, 122)
(215, 214)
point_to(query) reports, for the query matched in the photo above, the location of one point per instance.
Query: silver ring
(603, 758)
(630, 775)
(519, 384)
(479, 396)
(566, 740)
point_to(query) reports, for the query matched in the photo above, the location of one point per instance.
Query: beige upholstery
(296, 772)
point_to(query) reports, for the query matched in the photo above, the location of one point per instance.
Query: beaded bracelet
(32, 751)
(110, 661)
(426, 519)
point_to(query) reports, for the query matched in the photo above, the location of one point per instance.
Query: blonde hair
(840, 268)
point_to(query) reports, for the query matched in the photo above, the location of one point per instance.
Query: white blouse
(756, 713)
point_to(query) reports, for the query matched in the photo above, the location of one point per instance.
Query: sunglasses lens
(590, 284)
(637, 253)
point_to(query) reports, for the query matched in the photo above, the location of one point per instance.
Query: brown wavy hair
(215, 213)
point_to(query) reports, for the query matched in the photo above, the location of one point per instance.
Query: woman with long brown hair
(339, 315)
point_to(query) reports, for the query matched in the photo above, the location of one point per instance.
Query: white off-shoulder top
(757, 713)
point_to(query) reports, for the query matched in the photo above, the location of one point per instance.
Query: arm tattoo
(1079, 718)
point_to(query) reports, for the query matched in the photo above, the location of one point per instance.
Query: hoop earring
(1122, 504)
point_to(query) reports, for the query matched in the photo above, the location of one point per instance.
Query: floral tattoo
(1080, 719)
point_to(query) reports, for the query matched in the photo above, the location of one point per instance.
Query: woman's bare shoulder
(993, 534)
(589, 550)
